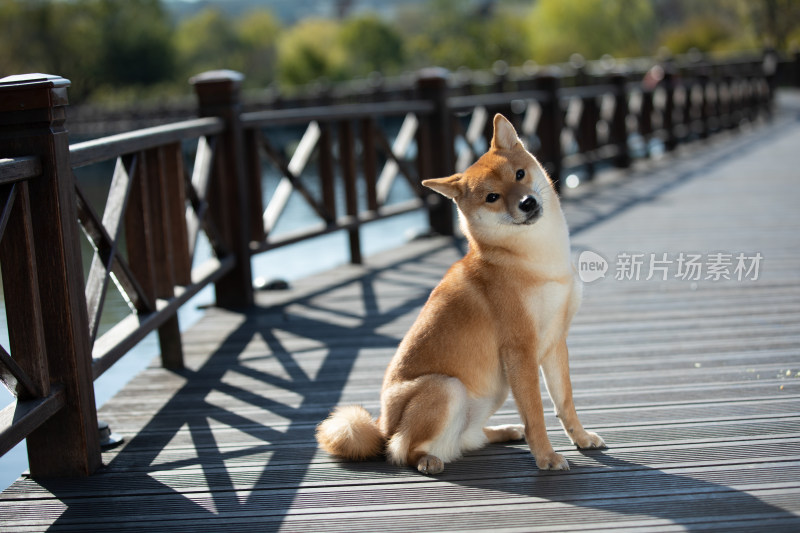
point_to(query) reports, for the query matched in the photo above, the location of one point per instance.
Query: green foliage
(592, 28)
(707, 33)
(454, 34)
(207, 41)
(258, 33)
(211, 40)
(135, 42)
(775, 22)
(92, 42)
(371, 45)
(309, 51)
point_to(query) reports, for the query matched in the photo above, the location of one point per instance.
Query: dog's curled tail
(351, 433)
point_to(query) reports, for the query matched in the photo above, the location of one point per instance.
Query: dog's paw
(505, 433)
(589, 441)
(515, 431)
(430, 465)
(552, 461)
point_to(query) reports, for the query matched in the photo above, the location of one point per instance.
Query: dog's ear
(505, 136)
(448, 186)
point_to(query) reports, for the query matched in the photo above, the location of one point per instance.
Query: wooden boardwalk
(695, 385)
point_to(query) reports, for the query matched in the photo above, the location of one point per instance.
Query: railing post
(440, 156)
(218, 95)
(587, 131)
(32, 116)
(347, 160)
(668, 117)
(550, 126)
(704, 103)
(796, 68)
(619, 121)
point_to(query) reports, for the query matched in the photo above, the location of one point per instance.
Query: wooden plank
(252, 150)
(175, 194)
(14, 378)
(139, 231)
(327, 174)
(21, 418)
(163, 207)
(23, 303)
(369, 162)
(347, 160)
(218, 198)
(159, 206)
(8, 195)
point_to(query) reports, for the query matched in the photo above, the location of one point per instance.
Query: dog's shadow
(600, 489)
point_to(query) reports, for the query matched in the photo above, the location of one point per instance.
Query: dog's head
(505, 188)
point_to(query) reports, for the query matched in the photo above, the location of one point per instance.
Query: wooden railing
(171, 183)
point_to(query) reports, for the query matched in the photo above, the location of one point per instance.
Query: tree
(371, 45)
(592, 28)
(94, 43)
(258, 33)
(454, 34)
(706, 33)
(776, 21)
(309, 51)
(136, 42)
(208, 41)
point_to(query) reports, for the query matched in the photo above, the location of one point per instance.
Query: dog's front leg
(523, 377)
(556, 376)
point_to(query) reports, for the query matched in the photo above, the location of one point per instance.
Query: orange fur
(498, 315)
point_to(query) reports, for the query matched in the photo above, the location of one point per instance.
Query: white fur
(447, 444)
(463, 431)
(397, 449)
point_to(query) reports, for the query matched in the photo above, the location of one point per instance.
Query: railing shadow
(269, 397)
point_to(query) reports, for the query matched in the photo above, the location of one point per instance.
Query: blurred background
(121, 51)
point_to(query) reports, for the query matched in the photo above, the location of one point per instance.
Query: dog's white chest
(550, 307)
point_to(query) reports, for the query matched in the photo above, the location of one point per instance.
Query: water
(288, 263)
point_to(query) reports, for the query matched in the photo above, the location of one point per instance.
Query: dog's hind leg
(555, 368)
(431, 427)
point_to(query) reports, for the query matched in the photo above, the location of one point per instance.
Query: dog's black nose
(528, 204)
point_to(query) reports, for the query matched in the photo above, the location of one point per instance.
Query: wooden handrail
(19, 168)
(336, 112)
(97, 150)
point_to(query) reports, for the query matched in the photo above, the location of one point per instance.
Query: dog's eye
(492, 197)
(520, 174)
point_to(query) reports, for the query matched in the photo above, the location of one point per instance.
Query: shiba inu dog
(499, 314)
